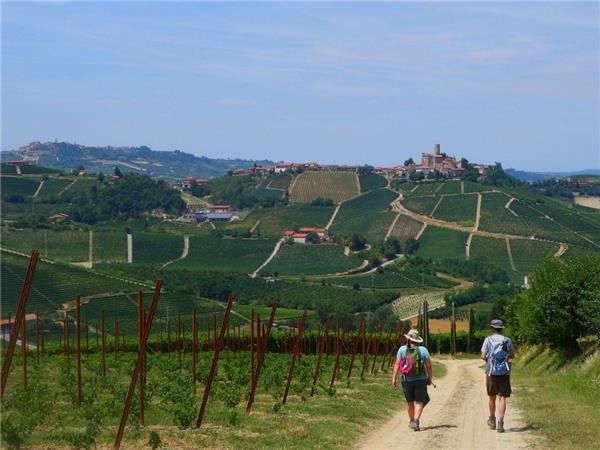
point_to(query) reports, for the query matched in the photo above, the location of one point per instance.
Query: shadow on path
(435, 427)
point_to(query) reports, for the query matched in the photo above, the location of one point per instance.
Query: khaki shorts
(498, 385)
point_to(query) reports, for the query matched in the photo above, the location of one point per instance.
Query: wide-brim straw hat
(413, 335)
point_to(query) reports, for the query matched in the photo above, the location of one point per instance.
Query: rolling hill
(162, 164)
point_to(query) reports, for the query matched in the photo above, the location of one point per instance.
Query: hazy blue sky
(355, 83)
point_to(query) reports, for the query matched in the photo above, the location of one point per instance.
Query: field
(391, 278)
(406, 228)
(495, 217)
(53, 187)
(528, 254)
(421, 205)
(208, 252)
(440, 243)
(298, 259)
(18, 185)
(263, 191)
(427, 188)
(281, 181)
(68, 246)
(471, 186)
(457, 208)
(156, 248)
(450, 187)
(337, 186)
(14, 211)
(53, 284)
(273, 221)
(492, 251)
(371, 181)
(367, 215)
(110, 246)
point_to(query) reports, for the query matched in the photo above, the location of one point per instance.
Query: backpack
(412, 363)
(498, 361)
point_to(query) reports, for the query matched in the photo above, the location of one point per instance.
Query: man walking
(414, 362)
(496, 351)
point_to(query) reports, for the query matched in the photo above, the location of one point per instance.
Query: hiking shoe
(492, 423)
(414, 425)
(500, 427)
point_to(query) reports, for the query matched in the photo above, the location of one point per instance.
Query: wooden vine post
(320, 357)
(263, 346)
(295, 357)
(78, 347)
(215, 360)
(140, 312)
(138, 364)
(19, 317)
(194, 345)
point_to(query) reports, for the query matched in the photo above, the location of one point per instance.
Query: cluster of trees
(322, 202)
(562, 306)
(562, 188)
(127, 197)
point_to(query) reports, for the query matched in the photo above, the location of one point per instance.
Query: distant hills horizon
(176, 163)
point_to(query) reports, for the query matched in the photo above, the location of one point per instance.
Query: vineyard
(298, 259)
(390, 278)
(53, 187)
(495, 217)
(440, 243)
(371, 181)
(18, 185)
(421, 205)
(67, 246)
(427, 188)
(265, 191)
(493, 251)
(368, 215)
(406, 228)
(450, 187)
(337, 186)
(72, 390)
(281, 181)
(457, 208)
(273, 221)
(209, 252)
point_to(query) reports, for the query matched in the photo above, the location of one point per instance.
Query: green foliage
(561, 306)
(128, 197)
(154, 440)
(319, 201)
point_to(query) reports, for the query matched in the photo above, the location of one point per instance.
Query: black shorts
(415, 391)
(498, 385)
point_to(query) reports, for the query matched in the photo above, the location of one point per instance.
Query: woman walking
(414, 363)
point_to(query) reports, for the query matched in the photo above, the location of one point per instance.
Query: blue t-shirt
(424, 357)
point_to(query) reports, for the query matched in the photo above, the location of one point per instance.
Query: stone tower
(437, 149)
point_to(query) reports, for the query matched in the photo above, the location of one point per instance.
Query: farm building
(6, 324)
(188, 182)
(300, 236)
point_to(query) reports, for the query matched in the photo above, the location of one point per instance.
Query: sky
(356, 83)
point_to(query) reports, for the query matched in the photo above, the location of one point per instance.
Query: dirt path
(462, 187)
(184, 253)
(391, 228)
(462, 283)
(332, 218)
(455, 418)
(436, 206)
(507, 206)
(39, 188)
(478, 214)
(269, 259)
(510, 258)
(69, 186)
(468, 247)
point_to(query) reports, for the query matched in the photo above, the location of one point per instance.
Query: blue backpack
(498, 361)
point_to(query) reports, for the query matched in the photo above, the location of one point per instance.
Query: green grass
(367, 215)
(208, 252)
(337, 186)
(440, 243)
(273, 221)
(492, 251)
(406, 228)
(560, 399)
(457, 208)
(450, 187)
(421, 205)
(19, 185)
(298, 259)
(371, 181)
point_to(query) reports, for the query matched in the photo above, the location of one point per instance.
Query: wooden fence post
(295, 356)
(320, 357)
(78, 347)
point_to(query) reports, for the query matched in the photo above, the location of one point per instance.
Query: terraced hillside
(368, 215)
(337, 186)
